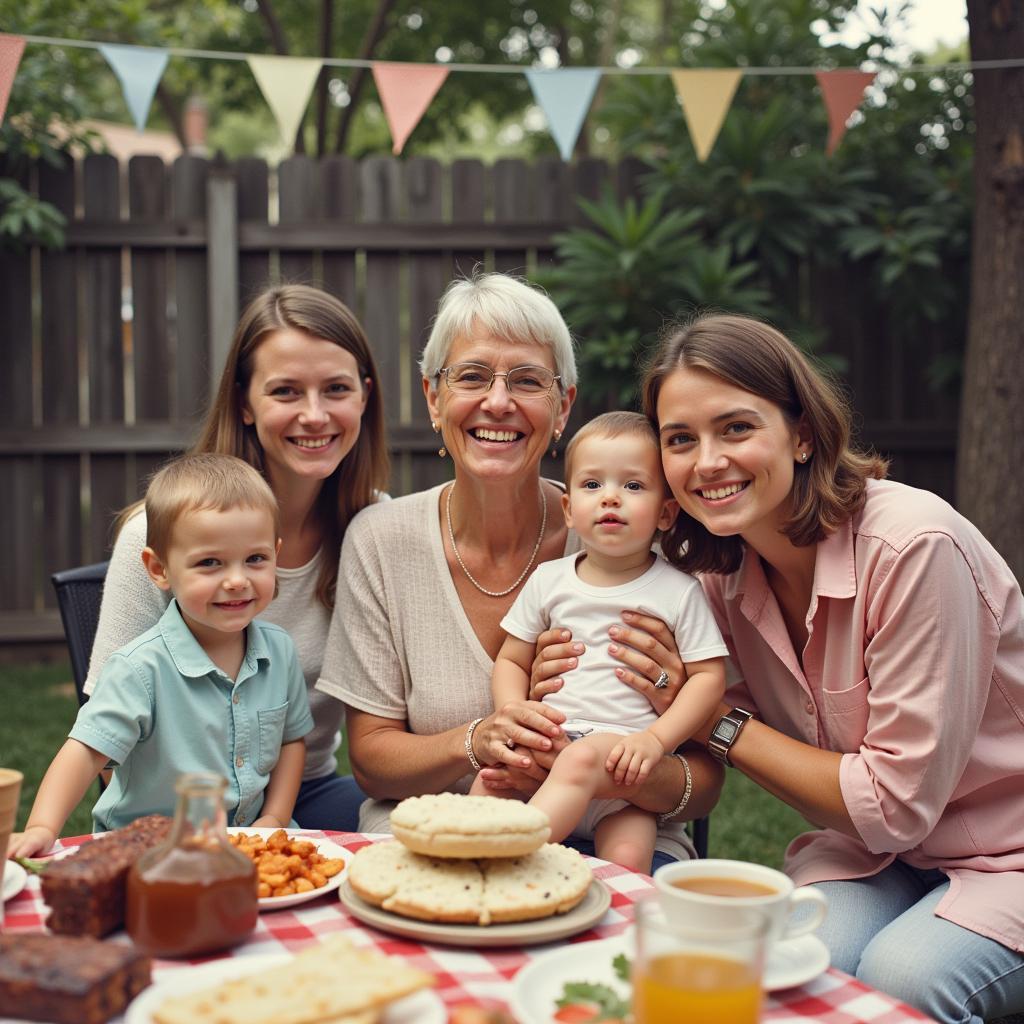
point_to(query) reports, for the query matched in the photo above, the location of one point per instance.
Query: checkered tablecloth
(484, 976)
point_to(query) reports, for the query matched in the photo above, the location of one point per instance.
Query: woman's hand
(515, 731)
(646, 648)
(556, 653)
(526, 780)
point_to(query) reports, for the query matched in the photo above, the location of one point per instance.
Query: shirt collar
(189, 657)
(835, 569)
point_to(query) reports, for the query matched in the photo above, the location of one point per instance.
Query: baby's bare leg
(577, 775)
(627, 838)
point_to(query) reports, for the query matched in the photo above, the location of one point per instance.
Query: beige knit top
(400, 643)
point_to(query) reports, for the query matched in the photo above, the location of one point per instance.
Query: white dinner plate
(584, 915)
(539, 984)
(324, 846)
(423, 1007)
(15, 877)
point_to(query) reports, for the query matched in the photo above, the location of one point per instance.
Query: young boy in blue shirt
(207, 688)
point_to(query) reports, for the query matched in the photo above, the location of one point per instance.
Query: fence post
(222, 264)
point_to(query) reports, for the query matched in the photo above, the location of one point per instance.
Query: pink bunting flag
(11, 49)
(405, 92)
(842, 91)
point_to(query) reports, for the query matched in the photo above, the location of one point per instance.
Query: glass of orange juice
(697, 972)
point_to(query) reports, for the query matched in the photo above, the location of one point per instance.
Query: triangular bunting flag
(139, 69)
(11, 49)
(286, 84)
(405, 93)
(565, 95)
(842, 91)
(705, 96)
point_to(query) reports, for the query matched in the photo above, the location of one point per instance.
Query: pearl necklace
(529, 564)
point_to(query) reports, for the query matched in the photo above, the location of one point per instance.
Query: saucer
(793, 962)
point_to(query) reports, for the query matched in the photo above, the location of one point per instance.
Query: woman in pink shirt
(879, 640)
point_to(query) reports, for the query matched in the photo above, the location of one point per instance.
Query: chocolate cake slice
(68, 980)
(86, 891)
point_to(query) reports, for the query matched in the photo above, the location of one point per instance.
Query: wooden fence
(112, 343)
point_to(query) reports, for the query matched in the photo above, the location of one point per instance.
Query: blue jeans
(883, 931)
(330, 802)
(587, 846)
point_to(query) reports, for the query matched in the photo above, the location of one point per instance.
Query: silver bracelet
(663, 819)
(477, 766)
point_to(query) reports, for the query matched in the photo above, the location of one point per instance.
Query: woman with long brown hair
(299, 399)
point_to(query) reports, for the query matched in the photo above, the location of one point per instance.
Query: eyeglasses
(521, 381)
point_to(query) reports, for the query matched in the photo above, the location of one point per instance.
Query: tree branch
(374, 34)
(322, 99)
(280, 43)
(170, 106)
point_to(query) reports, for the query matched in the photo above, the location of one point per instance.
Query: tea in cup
(708, 891)
(700, 973)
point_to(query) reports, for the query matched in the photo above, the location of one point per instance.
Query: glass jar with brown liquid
(195, 893)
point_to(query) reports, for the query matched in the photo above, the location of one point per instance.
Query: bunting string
(614, 69)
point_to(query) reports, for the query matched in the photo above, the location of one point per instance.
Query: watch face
(726, 731)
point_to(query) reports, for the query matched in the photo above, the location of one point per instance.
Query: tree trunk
(374, 33)
(990, 482)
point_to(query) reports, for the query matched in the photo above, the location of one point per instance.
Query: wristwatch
(724, 734)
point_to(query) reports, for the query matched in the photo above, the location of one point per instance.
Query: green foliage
(768, 207)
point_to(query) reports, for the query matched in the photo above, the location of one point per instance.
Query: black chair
(79, 592)
(700, 829)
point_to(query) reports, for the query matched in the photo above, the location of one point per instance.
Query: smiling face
(616, 498)
(220, 564)
(306, 401)
(728, 455)
(497, 435)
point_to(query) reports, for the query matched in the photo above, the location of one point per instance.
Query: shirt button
(239, 761)
(809, 708)
(234, 699)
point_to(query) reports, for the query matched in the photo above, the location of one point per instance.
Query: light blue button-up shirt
(161, 707)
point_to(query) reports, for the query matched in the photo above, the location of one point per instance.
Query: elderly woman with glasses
(425, 580)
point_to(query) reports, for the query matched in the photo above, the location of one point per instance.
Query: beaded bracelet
(685, 798)
(477, 766)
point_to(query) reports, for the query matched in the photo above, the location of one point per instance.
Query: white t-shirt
(555, 595)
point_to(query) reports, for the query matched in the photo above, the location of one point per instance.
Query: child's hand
(32, 841)
(632, 759)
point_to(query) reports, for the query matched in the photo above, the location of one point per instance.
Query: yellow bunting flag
(405, 92)
(11, 49)
(286, 84)
(705, 97)
(842, 91)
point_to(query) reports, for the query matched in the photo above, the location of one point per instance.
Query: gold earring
(803, 456)
(433, 425)
(442, 452)
(554, 441)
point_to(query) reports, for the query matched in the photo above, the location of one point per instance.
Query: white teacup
(715, 888)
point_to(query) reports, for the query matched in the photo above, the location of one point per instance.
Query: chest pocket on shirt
(271, 729)
(846, 716)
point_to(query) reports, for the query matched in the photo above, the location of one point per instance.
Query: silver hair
(509, 308)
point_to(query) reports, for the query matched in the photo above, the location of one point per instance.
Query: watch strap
(726, 732)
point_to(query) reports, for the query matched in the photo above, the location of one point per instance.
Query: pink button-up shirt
(914, 671)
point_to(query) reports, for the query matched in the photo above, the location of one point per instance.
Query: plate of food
(15, 877)
(331, 980)
(573, 978)
(292, 868)
(538, 897)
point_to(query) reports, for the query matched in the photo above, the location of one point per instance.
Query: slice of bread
(333, 981)
(551, 880)
(456, 826)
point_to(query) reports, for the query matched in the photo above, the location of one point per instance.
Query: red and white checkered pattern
(484, 977)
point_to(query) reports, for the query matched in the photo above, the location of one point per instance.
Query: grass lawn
(38, 703)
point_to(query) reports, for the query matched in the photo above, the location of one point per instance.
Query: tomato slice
(578, 1013)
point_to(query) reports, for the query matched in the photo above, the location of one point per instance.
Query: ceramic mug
(718, 889)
